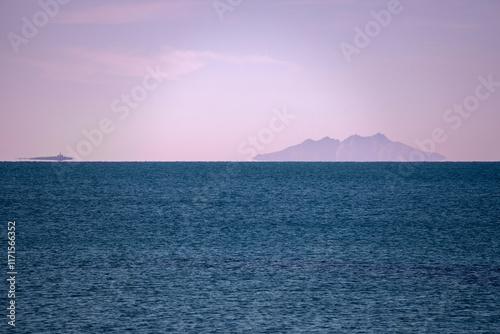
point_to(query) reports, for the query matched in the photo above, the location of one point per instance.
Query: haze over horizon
(200, 80)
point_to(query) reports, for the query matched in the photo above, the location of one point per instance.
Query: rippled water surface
(254, 247)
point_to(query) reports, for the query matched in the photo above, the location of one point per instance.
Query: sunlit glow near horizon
(193, 80)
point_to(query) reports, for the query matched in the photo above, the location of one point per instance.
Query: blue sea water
(253, 247)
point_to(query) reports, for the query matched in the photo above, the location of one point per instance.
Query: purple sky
(183, 80)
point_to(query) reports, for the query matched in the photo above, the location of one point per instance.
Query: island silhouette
(355, 148)
(58, 157)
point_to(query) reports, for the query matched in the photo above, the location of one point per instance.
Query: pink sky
(170, 80)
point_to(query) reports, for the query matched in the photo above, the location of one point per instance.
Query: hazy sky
(200, 80)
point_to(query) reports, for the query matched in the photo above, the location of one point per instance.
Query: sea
(243, 247)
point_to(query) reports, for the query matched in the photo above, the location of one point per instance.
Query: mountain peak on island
(354, 148)
(379, 135)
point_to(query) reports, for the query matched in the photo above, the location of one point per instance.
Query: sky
(202, 80)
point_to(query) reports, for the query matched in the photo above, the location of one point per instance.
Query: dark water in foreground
(253, 247)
